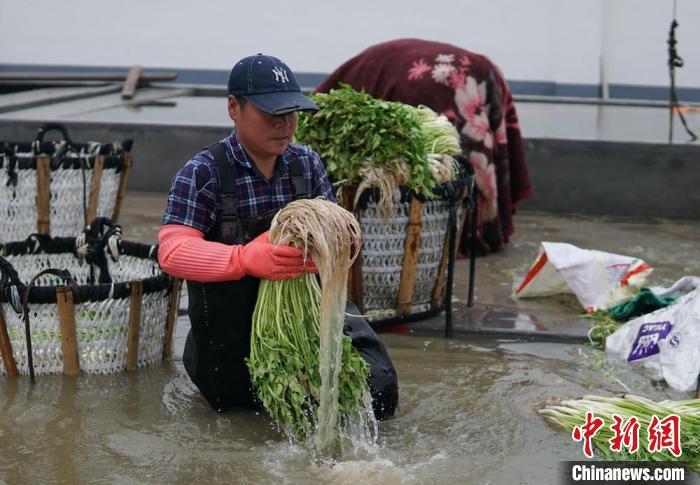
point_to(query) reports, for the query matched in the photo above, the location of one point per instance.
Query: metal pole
(674, 61)
(472, 246)
(452, 234)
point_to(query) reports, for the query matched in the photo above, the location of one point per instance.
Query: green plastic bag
(646, 301)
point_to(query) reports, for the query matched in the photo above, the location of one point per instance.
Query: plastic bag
(598, 279)
(685, 284)
(666, 341)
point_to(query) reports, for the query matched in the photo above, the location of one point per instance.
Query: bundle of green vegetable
(570, 414)
(603, 326)
(441, 142)
(374, 143)
(305, 371)
(606, 322)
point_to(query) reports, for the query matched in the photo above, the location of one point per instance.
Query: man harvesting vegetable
(214, 233)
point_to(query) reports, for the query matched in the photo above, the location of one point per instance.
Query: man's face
(262, 134)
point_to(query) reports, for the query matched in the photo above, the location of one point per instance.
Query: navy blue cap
(269, 84)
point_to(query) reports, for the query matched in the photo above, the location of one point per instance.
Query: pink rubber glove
(184, 253)
(262, 259)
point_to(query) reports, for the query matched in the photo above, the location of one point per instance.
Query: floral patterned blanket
(472, 92)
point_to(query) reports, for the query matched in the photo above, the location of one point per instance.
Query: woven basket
(401, 269)
(86, 319)
(56, 187)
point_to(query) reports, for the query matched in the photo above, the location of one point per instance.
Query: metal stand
(474, 206)
(452, 243)
(452, 234)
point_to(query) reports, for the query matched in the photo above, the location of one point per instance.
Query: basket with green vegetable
(93, 303)
(395, 167)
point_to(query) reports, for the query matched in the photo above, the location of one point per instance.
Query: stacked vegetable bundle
(570, 414)
(305, 371)
(383, 144)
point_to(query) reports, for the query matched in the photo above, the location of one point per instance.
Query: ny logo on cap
(280, 75)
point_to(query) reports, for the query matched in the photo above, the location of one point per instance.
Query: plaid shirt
(194, 198)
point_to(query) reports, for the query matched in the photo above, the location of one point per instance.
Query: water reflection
(467, 414)
(63, 429)
(503, 318)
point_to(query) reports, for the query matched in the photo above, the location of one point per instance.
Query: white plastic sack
(666, 341)
(598, 279)
(683, 285)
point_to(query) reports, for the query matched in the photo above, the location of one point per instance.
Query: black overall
(221, 315)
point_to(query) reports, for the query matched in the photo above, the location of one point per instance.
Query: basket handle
(11, 285)
(61, 273)
(8, 155)
(49, 127)
(91, 243)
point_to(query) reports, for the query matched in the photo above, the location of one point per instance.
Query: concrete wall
(569, 176)
(629, 179)
(159, 151)
(561, 41)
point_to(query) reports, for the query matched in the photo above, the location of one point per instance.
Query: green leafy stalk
(284, 357)
(439, 135)
(569, 414)
(355, 133)
(603, 326)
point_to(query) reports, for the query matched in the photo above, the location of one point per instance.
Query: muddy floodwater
(467, 415)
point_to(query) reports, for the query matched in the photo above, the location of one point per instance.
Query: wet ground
(467, 411)
(467, 414)
(671, 247)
